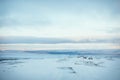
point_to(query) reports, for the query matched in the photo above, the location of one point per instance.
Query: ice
(32, 66)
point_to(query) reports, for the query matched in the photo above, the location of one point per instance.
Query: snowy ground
(30, 66)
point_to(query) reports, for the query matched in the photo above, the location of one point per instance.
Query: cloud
(59, 18)
(18, 21)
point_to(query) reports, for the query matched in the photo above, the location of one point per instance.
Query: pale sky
(60, 18)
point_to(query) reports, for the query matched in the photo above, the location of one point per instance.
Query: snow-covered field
(33, 66)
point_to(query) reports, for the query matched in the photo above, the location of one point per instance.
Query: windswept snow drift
(34, 66)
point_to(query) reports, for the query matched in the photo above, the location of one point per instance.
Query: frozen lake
(33, 66)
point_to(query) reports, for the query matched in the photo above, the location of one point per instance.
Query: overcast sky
(73, 19)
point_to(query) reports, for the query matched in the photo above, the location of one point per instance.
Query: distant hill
(68, 52)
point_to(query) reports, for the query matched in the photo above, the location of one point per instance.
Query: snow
(30, 66)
